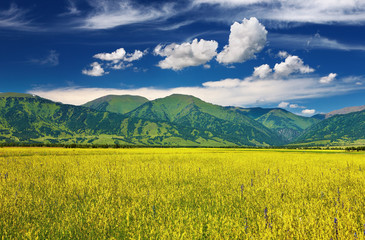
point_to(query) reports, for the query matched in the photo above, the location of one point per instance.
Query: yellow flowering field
(56, 193)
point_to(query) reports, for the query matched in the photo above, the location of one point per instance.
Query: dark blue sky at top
(31, 31)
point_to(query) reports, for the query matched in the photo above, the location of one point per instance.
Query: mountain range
(176, 120)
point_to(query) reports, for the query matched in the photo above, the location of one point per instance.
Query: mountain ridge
(192, 111)
(342, 129)
(175, 120)
(41, 120)
(285, 123)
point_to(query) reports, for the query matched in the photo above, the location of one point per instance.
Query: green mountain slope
(177, 120)
(117, 104)
(284, 123)
(190, 111)
(33, 119)
(347, 129)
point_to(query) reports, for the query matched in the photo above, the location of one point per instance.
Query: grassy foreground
(55, 193)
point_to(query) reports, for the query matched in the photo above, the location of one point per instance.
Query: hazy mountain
(117, 104)
(345, 110)
(343, 129)
(284, 123)
(190, 111)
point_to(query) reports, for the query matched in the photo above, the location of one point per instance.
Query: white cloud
(308, 111)
(228, 92)
(245, 40)
(312, 11)
(179, 56)
(130, 57)
(292, 64)
(283, 105)
(328, 79)
(176, 25)
(120, 66)
(297, 41)
(352, 79)
(262, 71)
(71, 9)
(15, 18)
(289, 105)
(231, 2)
(118, 60)
(95, 71)
(118, 54)
(226, 83)
(283, 54)
(295, 106)
(51, 59)
(109, 13)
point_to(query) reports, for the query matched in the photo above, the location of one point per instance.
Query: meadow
(56, 193)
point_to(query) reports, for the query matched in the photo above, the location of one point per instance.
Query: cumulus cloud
(308, 111)
(130, 57)
(95, 71)
(118, 55)
(293, 105)
(117, 60)
(283, 54)
(262, 71)
(328, 79)
(289, 105)
(120, 66)
(292, 64)
(179, 56)
(283, 105)
(245, 40)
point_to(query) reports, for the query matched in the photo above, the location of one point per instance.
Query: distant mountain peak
(124, 96)
(345, 110)
(183, 97)
(116, 103)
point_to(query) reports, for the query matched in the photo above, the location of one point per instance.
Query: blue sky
(305, 56)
